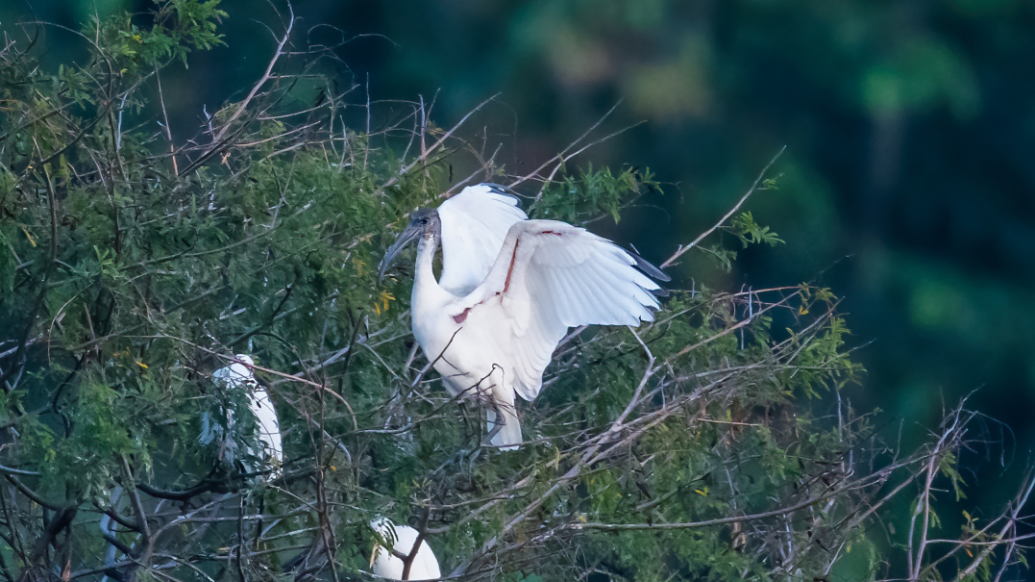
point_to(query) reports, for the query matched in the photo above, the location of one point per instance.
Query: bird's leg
(262, 511)
(486, 396)
(499, 422)
(476, 392)
(482, 395)
(481, 421)
(468, 453)
(465, 418)
(472, 458)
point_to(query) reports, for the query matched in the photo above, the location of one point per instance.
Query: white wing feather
(268, 426)
(386, 565)
(551, 276)
(474, 224)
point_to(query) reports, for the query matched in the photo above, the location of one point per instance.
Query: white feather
(474, 224)
(383, 562)
(268, 426)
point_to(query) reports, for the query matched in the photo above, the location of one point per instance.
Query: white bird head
(238, 374)
(424, 223)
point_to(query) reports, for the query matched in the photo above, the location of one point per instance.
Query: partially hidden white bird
(509, 291)
(384, 561)
(240, 375)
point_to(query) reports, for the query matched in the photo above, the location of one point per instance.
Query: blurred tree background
(907, 185)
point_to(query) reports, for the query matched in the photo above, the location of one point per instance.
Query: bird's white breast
(471, 350)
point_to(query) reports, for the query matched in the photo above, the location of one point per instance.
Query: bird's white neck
(426, 291)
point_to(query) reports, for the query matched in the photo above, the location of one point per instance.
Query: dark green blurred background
(910, 127)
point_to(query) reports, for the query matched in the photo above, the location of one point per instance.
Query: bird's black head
(424, 223)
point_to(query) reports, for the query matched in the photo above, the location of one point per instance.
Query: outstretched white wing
(551, 276)
(474, 225)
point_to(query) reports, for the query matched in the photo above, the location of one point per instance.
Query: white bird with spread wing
(386, 561)
(240, 375)
(510, 289)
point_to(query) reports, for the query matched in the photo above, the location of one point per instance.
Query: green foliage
(179, 27)
(748, 232)
(685, 448)
(578, 199)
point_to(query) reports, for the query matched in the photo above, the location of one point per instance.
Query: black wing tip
(498, 188)
(502, 191)
(651, 270)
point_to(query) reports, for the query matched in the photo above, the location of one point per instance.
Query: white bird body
(497, 337)
(385, 564)
(240, 375)
(468, 351)
(268, 425)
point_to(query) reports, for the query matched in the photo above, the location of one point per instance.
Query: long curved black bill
(405, 238)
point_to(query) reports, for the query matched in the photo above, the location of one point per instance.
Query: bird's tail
(509, 435)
